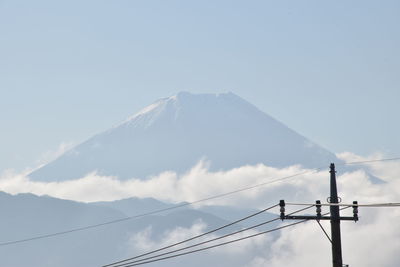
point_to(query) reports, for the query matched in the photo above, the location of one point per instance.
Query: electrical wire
(191, 246)
(217, 245)
(373, 205)
(153, 212)
(150, 260)
(121, 263)
(182, 205)
(368, 161)
(195, 237)
(92, 226)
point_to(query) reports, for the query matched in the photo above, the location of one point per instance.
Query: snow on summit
(174, 133)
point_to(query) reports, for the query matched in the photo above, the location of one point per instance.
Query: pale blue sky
(70, 69)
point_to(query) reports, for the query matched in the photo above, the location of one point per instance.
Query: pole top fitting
(332, 167)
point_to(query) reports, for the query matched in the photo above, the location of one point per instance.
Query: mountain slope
(175, 133)
(25, 216)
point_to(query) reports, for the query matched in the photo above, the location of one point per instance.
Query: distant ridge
(174, 133)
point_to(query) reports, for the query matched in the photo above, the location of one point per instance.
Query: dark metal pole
(335, 222)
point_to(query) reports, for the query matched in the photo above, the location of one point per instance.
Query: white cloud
(200, 183)
(388, 170)
(145, 241)
(196, 184)
(373, 241)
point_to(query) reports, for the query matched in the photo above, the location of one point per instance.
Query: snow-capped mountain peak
(174, 133)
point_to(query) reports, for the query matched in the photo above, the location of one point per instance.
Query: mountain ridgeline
(175, 133)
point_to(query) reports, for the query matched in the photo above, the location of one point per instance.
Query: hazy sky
(70, 69)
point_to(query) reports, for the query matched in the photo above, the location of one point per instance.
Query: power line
(217, 245)
(369, 161)
(191, 246)
(372, 205)
(335, 218)
(194, 237)
(93, 225)
(121, 263)
(159, 257)
(152, 212)
(183, 205)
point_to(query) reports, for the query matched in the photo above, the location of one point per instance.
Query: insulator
(282, 209)
(355, 207)
(355, 210)
(318, 208)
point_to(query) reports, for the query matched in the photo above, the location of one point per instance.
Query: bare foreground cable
(38, 237)
(194, 237)
(370, 205)
(146, 261)
(368, 161)
(135, 259)
(7, 243)
(217, 245)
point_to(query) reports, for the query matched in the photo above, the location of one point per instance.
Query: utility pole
(335, 221)
(334, 218)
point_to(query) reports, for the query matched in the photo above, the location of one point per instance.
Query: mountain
(174, 133)
(133, 206)
(25, 216)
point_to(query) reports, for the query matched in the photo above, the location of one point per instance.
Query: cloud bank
(198, 183)
(373, 241)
